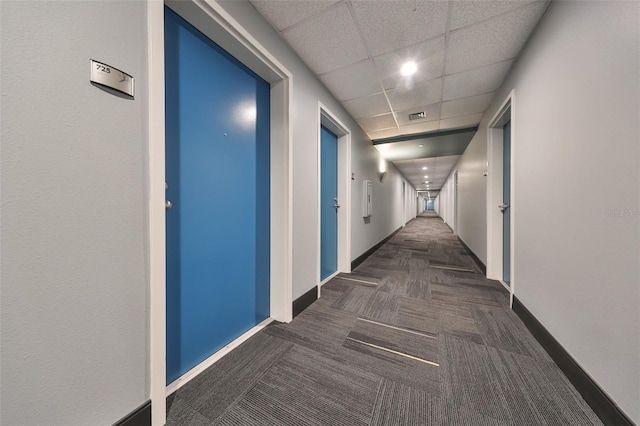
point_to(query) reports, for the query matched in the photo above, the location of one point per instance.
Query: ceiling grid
(463, 50)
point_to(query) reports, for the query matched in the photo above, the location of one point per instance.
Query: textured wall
(577, 187)
(472, 196)
(73, 167)
(577, 141)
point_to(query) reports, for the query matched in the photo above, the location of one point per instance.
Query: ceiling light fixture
(420, 146)
(417, 115)
(409, 68)
(424, 168)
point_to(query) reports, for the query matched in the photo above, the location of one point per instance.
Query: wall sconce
(382, 168)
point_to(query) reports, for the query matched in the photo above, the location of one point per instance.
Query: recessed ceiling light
(424, 168)
(426, 176)
(409, 68)
(420, 146)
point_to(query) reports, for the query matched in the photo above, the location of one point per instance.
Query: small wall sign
(108, 76)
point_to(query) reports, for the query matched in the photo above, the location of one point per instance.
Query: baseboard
(304, 301)
(598, 400)
(475, 258)
(450, 228)
(358, 260)
(141, 416)
(195, 371)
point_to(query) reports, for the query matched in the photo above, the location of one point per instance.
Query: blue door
(506, 203)
(217, 173)
(328, 203)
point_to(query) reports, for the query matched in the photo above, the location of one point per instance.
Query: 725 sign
(102, 68)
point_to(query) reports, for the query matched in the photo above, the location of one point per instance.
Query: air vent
(418, 115)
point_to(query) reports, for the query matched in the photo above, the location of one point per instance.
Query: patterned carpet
(414, 336)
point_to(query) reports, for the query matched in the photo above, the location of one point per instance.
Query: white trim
(210, 18)
(328, 119)
(186, 377)
(326, 280)
(512, 206)
(455, 201)
(157, 247)
(404, 203)
(505, 113)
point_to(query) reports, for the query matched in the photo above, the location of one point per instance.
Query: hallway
(414, 336)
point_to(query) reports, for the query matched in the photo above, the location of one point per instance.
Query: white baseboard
(186, 377)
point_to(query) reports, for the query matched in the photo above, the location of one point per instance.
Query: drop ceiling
(463, 49)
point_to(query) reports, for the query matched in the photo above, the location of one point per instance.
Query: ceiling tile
(429, 57)
(282, 14)
(475, 82)
(352, 82)
(466, 106)
(469, 12)
(433, 113)
(328, 41)
(379, 122)
(486, 42)
(367, 106)
(438, 171)
(393, 25)
(423, 93)
(464, 121)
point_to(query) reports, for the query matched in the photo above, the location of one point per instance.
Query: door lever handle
(503, 207)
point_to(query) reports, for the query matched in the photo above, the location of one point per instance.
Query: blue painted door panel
(506, 199)
(217, 171)
(328, 198)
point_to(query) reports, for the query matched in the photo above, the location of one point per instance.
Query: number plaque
(108, 76)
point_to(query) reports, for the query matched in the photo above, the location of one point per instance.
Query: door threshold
(186, 377)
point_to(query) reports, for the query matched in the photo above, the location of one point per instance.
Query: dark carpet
(414, 336)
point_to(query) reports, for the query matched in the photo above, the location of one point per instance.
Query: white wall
(472, 196)
(446, 205)
(307, 91)
(410, 201)
(74, 197)
(421, 203)
(576, 194)
(74, 346)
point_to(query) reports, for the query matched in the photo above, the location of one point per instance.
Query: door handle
(336, 205)
(167, 204)
(503, 207)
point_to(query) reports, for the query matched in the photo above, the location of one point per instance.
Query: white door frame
(505, 113)
(329, 120)
(404, 203)
(455, 202)
(210, 18)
